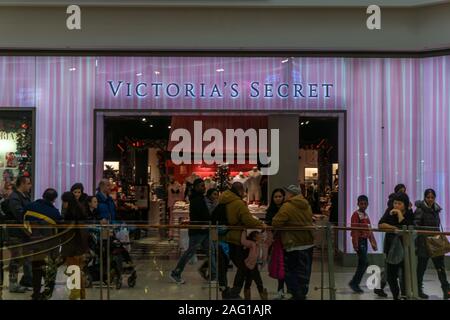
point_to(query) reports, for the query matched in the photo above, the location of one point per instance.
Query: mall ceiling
(408, 27)
(227, 3)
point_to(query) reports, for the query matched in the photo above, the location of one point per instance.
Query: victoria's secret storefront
(393, 113)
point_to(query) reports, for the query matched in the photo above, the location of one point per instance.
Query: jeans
(362, 262)
(440, 269)
(223, 268)
(196, 241)
(14, 267)
(298, 265)
(394, 273)
(238, 255)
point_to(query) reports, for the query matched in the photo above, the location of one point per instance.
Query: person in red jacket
(360, 239)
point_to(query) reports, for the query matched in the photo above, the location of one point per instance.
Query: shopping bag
(437, 246)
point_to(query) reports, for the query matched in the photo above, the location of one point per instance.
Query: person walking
(238, 215)
(298, 244)
(198, 238)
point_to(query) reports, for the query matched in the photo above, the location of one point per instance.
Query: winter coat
(198, 213)
(295, 212)
(425, 218)
(38, 215)
(237, 215)
(258, 251)
(79, 243)
(17, 202)
(392, 220)
(106, 207)
(357, 222)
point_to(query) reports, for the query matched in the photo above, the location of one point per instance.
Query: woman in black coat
(427, 217)
(394, 219)
(74, 251)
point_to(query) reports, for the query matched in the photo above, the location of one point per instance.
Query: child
(258, 248)
(360, 219)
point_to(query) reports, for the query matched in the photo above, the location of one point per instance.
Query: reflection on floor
(155, 259)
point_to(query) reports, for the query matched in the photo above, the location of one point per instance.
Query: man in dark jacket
(17, 202)
(38, 214)
(198, 238)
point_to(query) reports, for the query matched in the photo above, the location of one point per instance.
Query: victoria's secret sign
(253, 89)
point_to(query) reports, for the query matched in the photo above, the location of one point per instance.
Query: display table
(258, 211)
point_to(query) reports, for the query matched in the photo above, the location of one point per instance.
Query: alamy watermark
(73, 273)
(374, 280)
(220, 150)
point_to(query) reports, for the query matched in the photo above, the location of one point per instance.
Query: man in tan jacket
(298, 244)
(237, 215)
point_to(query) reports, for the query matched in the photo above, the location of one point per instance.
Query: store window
(16, 147)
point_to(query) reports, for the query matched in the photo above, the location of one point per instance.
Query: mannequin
(254, 186)
(174, 191)
(209, 183)
(240, 178)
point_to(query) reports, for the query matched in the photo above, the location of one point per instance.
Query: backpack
(219, 216)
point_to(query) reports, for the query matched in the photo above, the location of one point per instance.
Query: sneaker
(355, 288)
(16, 288)
(203, 273)
(176, 278)
(279, 296)
(380, 293)
(446, 294)
(423, 296)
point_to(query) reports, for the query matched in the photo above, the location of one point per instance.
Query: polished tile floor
(153, 282)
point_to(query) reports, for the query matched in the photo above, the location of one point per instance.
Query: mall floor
(155, 259)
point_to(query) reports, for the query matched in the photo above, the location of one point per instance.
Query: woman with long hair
(428, 217)
(74, 251)
(276, 266)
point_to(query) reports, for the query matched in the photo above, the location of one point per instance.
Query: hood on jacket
(299, 201)
(423, 205)
(228, 196)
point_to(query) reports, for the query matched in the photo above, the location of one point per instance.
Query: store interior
(150, 188)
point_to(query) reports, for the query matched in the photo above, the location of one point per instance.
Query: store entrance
(151, 186)
(134, 151)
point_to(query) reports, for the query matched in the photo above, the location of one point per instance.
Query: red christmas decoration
(24, 126)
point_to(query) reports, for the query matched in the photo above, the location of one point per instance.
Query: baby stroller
(120, 262)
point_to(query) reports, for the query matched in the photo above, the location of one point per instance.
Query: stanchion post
(101, 262)
(108, 262)
(330, 250)
(413, 262)
(407, 276)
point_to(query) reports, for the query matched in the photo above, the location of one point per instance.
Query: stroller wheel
(119, 283)
(132, 280)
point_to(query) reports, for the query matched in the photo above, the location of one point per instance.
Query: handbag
(396, 252)
(437, 246)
